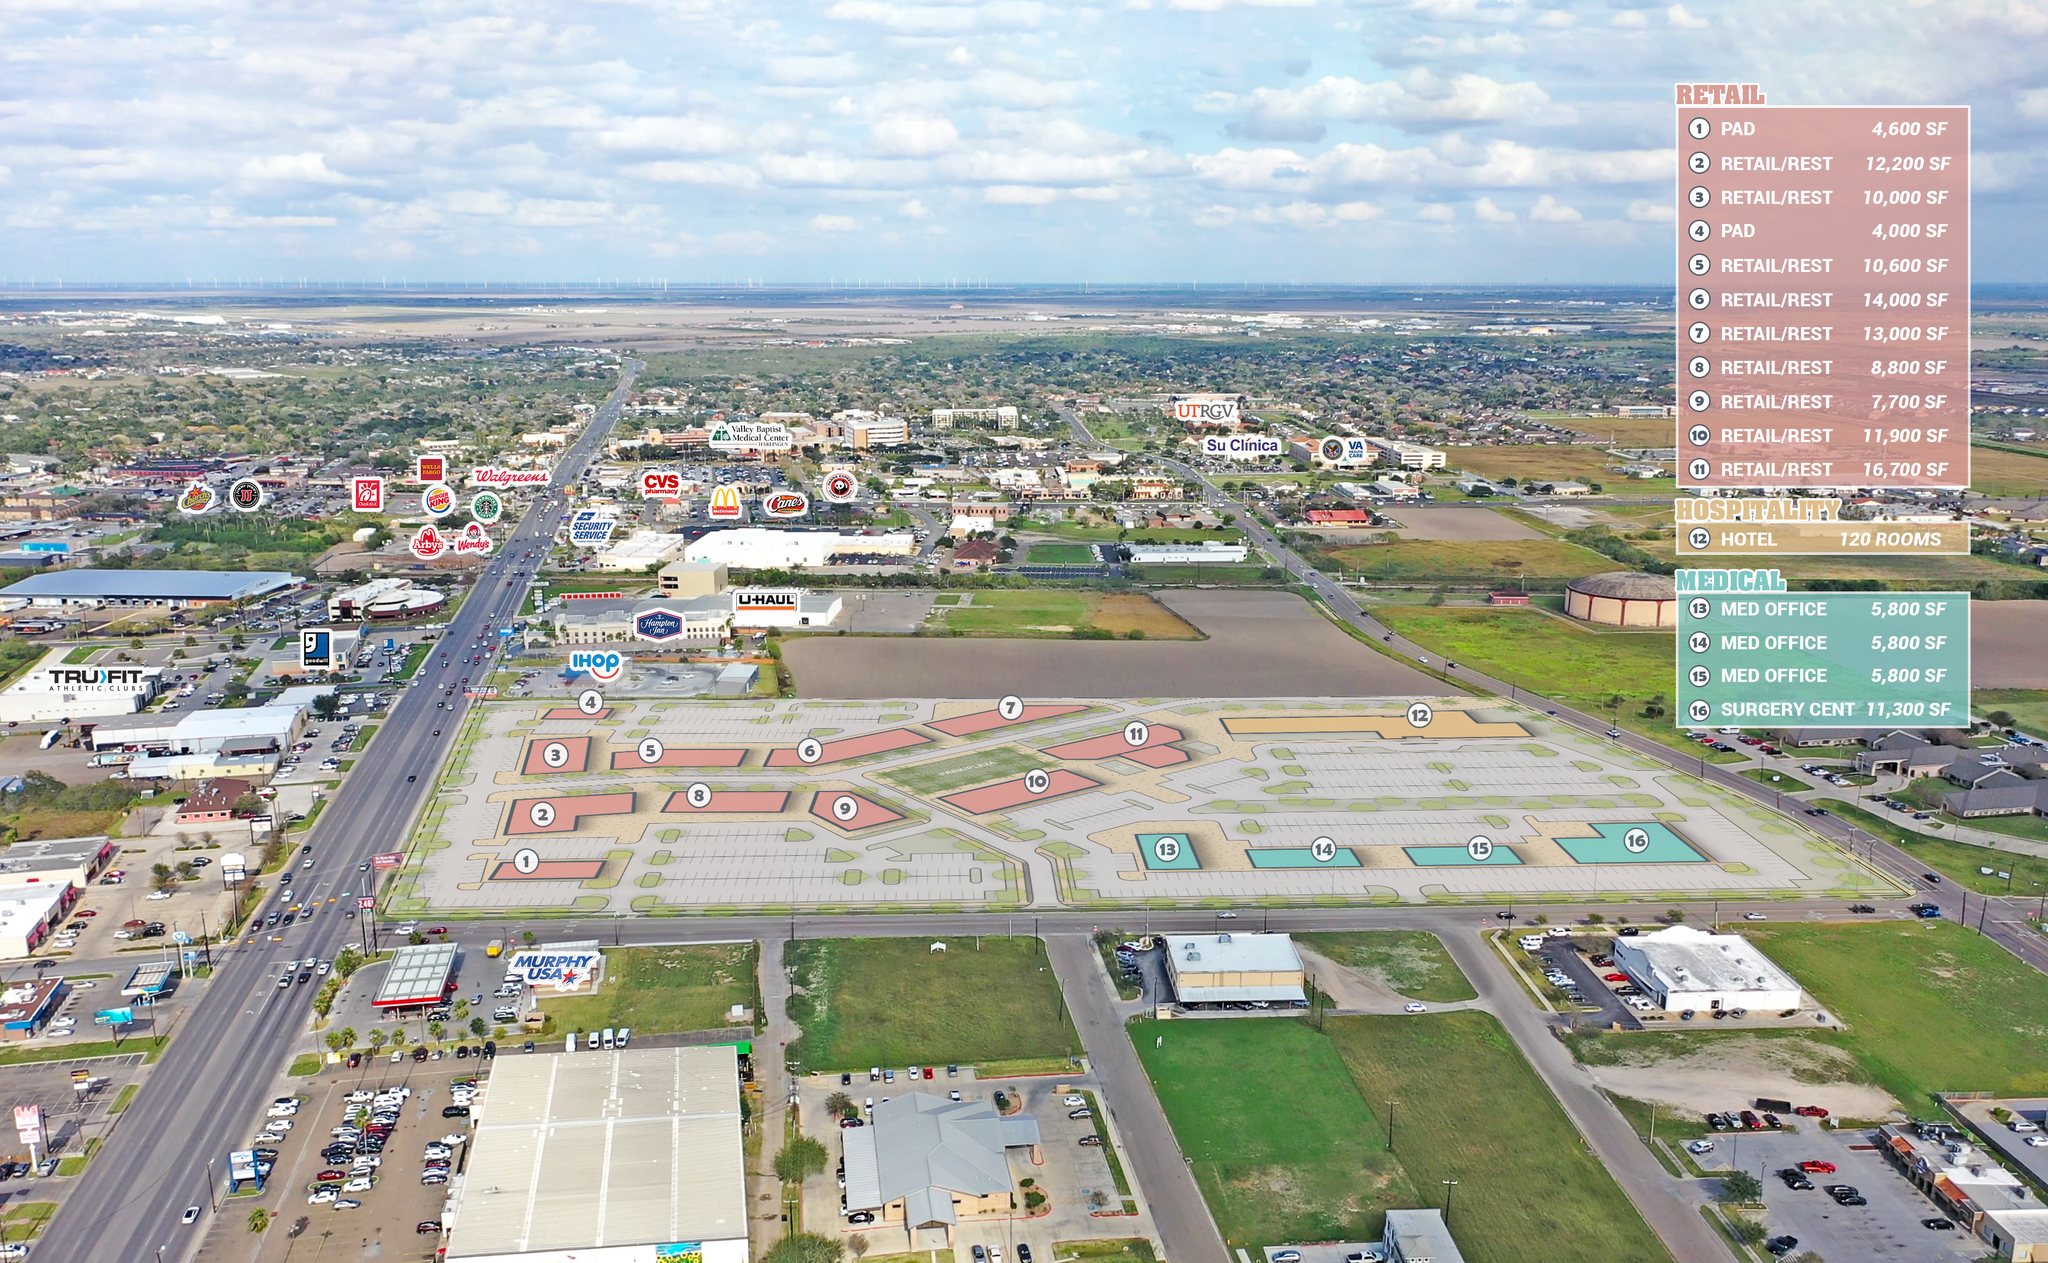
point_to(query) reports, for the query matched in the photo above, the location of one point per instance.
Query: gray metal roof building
(147, 587)
(417, 975)
(922, 1149)
(625, 1155)
(1420, 1236)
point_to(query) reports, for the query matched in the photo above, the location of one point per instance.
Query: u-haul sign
(562, 969)
(764, 601)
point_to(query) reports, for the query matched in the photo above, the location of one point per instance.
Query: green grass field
(1303, 1156)
(1470, 561)
(1930, 1006)
(1283, 1146)
(2028, 706)
(1412, 963)
(1042, 612)
(1061, 555)
(894, 1002)
(659, 990)
(947, 775)
(1957, 861)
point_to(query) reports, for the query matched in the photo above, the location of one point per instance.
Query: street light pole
(1390, 1124)
(212, 1193)
(1450, 1186)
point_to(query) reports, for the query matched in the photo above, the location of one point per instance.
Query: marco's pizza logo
(198, 498)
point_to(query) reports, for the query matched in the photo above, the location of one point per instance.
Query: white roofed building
(1684, 968)
(1233, 968)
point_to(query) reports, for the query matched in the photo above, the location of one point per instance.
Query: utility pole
(1390, 1124)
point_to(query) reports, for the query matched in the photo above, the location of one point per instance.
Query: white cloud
(1650, 211)
(1685, 21)
(1629, 19)
(832, 223)
(749, 242)
(1557, 19)
(2034, 103)
(688, 135)
(1438, 213)
(915, 209)
(1214, 6)
(1018, 195)
(1216, 216)
(535, 212)
(292, 168)
(941, 19)
(1548, 210)
(1314, 215)
(1419, 101)
(1488, 213)
(914, 137)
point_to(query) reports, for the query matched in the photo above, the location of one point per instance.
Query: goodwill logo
(565, 971)
(601, 665)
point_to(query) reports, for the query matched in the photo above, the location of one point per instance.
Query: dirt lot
(1729, 1074)
(2005, 645)
(1432, 521)
(1261, 644)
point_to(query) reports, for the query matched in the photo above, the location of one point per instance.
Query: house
(1998, 800)
(925, 1162)
(1339, 517)
(214, 801)
(975, 552)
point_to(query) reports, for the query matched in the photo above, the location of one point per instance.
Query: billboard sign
(763, 601)
(28, 1124)
(841, 487)
(234, 866)
(1242, 446)
(124, 1016)
(658, 624)
(366, 902)
(591, 529)
(602, 665)
(660, 484)
(1206, 410)
(367, 494)
(563, 969)
(388, 859)
(786, 504)
(751, 436)
(242, 1165)
(316, 649)
(725, 502)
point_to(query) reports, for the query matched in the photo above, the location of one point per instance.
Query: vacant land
(657, 990)
(1929, 1006)
(2028, 706)
(896, 1002)
(1412, 963)
(1470, 561)
(1958, 861)
(1996, 472)
(1052, 612)
(947, 775)
(1472, 1110)
(1285, 1156)
(1424, 521)
(1061, 555)
(1546, 462)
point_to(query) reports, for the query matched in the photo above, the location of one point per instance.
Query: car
(1232, 916)
(1614, 977)
(1083, 1112)
(1932, 879)
(1795, 1178)
(455, 1111)
(861, 1217)
(1782, 1246)
(1700, 1146)
(2037, 1142)
(1415, 1006)
(322, 1196)
(428, 1225)
(191, 1215)
(1754, 916)
(1073, 1099)
(1092, 1140)
(1937, 1225)
(1286, 1256)
(453, 1138)
(347, 1203)
(1862, 907)
(980, 1255)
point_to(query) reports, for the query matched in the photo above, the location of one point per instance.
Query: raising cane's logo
(198, 498)
(428, 544)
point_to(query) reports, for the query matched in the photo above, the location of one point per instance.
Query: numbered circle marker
(1699, 436)
(1636, 840)
(810, 750)
(698, 795)
(542, 814)
(1699, 230)
(1699, 164)
(1011, 708)
(1697, 197)
(526, 861)
(1137, 733)
(1419, 715)
(1166, 850)
(590, 701)
(1699, 642)
(1699, 265)
(1323, 850)
(1699, 300)
(1037, 780)
(1699, 401)
(1698, 710)
(1699, 468)
(651, 750)
(554, 754)
(1699, 607)
(1698, 366)
(1699, 537)
(1480, 849)
(1699, 677)
(1698, 331)
(1699, 129)
(845, 807)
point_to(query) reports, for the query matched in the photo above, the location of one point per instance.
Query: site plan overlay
(756, 805)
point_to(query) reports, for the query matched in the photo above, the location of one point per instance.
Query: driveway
(1565, 955)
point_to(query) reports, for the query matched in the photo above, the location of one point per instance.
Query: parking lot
(385, 1223)
(1889, 1227)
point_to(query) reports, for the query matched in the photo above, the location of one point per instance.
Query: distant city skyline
(1149, 141)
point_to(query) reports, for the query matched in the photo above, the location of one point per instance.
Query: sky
(1155, 141)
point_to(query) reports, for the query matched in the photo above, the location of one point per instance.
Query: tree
(334, 1043)
(348, 1036)
(805, 1247)
(248, 805)
(477, 1027)
(376, 1039)
(236, 690)
(1740, 1188)
(415, 938)
(259, 1219)
(326, 706)
(162, 876)
(799, 1159)
(857, 1245)
(838, 1103)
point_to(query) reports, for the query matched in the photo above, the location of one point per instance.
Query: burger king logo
(428, 544)
(438, 500)
(198, 498)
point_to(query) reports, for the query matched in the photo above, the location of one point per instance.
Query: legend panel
(1823, 295)
(1751, 654)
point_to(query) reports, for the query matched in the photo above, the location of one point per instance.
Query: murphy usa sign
(565, 967)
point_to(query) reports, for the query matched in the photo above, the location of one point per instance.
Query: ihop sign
(599, 664)
(564, 969)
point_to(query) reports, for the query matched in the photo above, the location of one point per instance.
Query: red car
(332, 1175)
(437, 929)
(133, 925)
(1811, 1111)
(85, 912)
(1815, 1166)
(1614, 977)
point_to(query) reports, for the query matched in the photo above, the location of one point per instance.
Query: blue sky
(1022, 140)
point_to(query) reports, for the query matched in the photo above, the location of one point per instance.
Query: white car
(83, 986)
(2038, 1142)
(361, 1184)
(322, 1197)
(1754, 916)
(1700, 1146)
(1074, 1099)
(1414, 1006)
(360, 1095)
(453, 1138)
(158, 894)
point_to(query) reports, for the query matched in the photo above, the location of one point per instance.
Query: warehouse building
(52, 692)
(125, 589)
(1684, 968)
(642, 550)
(56, 862)
(205, 743)
(758, 548)
(1261, 969)
(691, 578)
(617, 1157)
(1419, 1236)
(28, 916)
(930, 1163)
(1207, 553)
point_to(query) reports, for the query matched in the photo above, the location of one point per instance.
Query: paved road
(202, 1099)
(1187, 1233)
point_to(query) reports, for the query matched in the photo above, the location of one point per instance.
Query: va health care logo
(604, 666)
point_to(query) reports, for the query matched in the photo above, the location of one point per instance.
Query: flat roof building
(926, 1162)
(172, 589)
(57, 861)
(27, 1006)
(1234, 969)
(642, 550)
(1684, 968)
(1419, 1236)
(1207, 553)
(706, 620)
(245, 731)
(53, 692)
(757, 548)
(416, 976)
(691, 578)
(620, 1157)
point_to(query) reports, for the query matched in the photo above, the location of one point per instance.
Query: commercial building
(642, 550)
(691, 578)
(252, 730)
(1234, 969)
(125, 589)
(1004, 417)
(784, 607)
(632, 1156)
(417, 976)
(25, 1007)
(1967, 1185)
(52, 692)
(214, 801)
(736, 679)
(758, 548)
(1419, 1236)
(1207, 553)
(2019, 1235)
(706, 620)
(1409, 455)
(57, 862)
(925, 1162)
(1623, 598)
(383, 599)
(971, 518)
(1684, 968)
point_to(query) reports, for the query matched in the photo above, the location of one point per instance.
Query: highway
(203, 1099)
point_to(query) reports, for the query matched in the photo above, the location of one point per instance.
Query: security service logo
(432, 469)
(428, 544)
(437, 501)
(658, 624)
(246, 495)
(602, 665)
(725, 502)
(367, 494)
(485, 506)
(841, 487)
(197, 498)
(786, 504)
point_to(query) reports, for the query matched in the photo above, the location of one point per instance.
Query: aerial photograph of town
(1024, 631)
